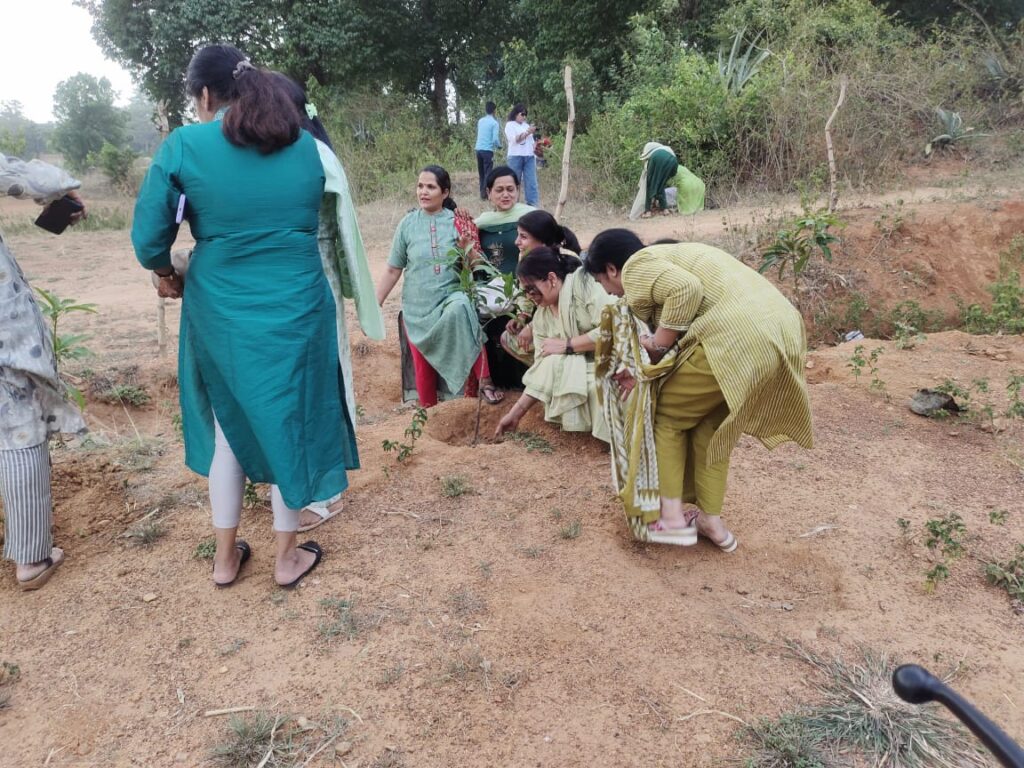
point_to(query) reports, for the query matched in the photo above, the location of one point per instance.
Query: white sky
(44, 42)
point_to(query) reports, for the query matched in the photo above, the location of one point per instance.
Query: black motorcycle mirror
(916, 685)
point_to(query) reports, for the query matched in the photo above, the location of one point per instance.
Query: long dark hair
(540, 262)
(444, 181)
(497, 173)
(515, 111)
(613, 246)
(262, 115)
(298, 96)
(542, 226)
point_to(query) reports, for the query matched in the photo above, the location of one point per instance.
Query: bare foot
(226, 565)
(712, 527)
(293, 565)
(308, 517)
(28, 571)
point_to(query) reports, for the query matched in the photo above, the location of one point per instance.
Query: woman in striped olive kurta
(726, 356)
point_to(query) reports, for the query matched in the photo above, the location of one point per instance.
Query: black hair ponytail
(542, 226)
(540, 262)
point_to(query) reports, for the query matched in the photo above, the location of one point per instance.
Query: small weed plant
(337, 620)
(571, 531)
(205, 549)
(129, 394)
(1009, 575)
(945, 537)
(251, 495)
(413, 432)
(9, 675)
(146, 533)
(796, 242)
(453, 486)
(858, 362)
(1006, 314)
(275, 740)
(68, 346)
(532, 442)
(998, 516)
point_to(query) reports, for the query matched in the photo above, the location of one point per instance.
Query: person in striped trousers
(33, 400)
(725, 354)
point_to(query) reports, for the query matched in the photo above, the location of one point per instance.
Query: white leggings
(227, 487)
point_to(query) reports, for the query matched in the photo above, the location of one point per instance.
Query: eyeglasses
(532, 290)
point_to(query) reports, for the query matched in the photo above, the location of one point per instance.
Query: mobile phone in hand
(57, 215)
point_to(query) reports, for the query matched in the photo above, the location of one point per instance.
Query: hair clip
(311, 112)
(241, 68)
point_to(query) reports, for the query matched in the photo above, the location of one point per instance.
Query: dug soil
(506, 618)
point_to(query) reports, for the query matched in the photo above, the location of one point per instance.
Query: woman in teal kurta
(261, 392)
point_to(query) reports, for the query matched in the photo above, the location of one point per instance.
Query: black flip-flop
(243, 546)
(492, 400)
(309, 546)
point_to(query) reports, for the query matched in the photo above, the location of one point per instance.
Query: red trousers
(426, 377)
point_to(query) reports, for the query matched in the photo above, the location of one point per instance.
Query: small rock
(547, 739)
(149, 597)
(122, 572)
(181, 757)
(343, 748)
(304, 724)
(223, 670)
(809, 364)
(927, 402)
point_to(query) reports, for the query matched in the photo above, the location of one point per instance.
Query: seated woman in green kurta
(660, 167)
(702, 350)
(569, 306)
(262, 394)
(535, 229)
(498, 233)
(440, 321)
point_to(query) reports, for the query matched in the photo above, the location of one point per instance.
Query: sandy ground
(483, 632)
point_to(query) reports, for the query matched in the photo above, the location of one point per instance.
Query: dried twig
(570, 128)
(700, 712)
(687, 690)
(402, 512)
(833, 196)
(270, 750)
(228, 711)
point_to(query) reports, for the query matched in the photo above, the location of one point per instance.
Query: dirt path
(488, 629)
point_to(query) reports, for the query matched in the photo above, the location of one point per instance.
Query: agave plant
(953, 131)
(737, 70)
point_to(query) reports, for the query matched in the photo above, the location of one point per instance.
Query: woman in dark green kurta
(498, 232)
(261, 391)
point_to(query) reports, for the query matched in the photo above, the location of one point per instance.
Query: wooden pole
(570, 128)
(833, 197)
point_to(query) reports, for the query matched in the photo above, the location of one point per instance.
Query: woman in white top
(519, 135)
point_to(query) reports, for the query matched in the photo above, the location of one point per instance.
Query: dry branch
(833, 196)
(228, 711)
(570, 128)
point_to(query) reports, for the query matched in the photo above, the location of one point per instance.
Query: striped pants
(28, 506)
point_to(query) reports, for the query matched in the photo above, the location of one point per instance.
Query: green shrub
(118, 165)
(1006, 314)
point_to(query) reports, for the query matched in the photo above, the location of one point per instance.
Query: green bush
(1006, 315)
(384, 141)
(118, 165)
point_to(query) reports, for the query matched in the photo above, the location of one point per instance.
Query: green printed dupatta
(631, 421)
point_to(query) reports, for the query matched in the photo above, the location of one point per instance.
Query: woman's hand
(525, 337)
(654, 351)
(171, 286)
(82, 214)
(508, 422)
(553, 347)
(625, 381)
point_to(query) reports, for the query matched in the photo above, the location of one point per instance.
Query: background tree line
(396, 81)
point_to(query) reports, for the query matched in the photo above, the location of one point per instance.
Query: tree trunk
(440, 92)
(570, 128)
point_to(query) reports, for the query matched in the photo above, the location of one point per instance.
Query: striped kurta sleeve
(753, 337)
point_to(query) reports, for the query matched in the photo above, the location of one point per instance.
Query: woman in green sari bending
(660, 167)
(569, 306)
(726, 357)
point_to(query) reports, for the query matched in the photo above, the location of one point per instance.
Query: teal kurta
(439, 319)
(258, 343)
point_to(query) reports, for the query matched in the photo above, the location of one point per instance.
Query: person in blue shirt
(488, 141)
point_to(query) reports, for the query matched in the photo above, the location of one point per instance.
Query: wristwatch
(568, 347)
(158, 273)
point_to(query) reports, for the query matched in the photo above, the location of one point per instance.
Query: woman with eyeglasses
(565, 326)
(534, 230)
